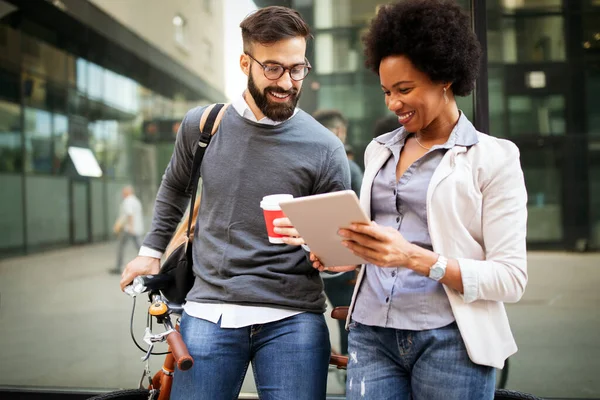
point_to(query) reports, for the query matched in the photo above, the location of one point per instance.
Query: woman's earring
(445, 96)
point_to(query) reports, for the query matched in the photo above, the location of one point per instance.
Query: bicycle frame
(163, 379)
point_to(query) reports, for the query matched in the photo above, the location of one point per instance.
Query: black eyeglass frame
(307, 68)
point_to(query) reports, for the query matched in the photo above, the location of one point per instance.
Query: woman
(446, 247)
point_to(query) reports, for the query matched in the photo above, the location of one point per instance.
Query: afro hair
(435, 35)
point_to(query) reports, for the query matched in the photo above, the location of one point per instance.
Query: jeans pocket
(353, 324)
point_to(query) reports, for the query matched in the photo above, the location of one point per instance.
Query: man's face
(276, 99)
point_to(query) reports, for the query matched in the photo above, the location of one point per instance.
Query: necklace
(419, 143)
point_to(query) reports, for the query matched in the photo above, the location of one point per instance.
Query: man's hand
(283, 226)
(318, 265)
(117, 227)
(141, 265)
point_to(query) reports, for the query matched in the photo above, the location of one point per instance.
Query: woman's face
(411, 95)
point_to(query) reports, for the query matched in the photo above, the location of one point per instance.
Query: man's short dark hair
(385, 124)
(330, 118)
(435, 35)
(271, 24)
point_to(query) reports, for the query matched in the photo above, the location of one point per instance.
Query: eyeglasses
(274, 71)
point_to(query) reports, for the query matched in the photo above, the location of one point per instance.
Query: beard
(278, 112)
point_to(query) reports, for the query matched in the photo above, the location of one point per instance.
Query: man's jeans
(124, 237)
(290, 359)
(396, 364)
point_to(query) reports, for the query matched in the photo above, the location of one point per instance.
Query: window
(532, 39)
(38, 140)
(512, 5)
(337, 52)
(60, 138)
(10, 137)
(538, 115)
(179, 24)
(9, 46)
(207, 54)
(335, 13)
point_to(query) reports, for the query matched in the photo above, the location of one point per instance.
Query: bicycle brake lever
(129, 290)
(147, 356)
(150, 339)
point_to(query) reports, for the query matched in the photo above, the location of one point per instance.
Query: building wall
(199, 48)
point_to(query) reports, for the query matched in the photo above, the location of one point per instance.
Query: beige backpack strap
(217, 120)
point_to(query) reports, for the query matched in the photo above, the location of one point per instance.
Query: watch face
(436, 272)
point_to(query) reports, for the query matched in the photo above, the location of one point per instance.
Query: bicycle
(177, 355)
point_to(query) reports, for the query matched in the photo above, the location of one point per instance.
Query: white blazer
(477, 214)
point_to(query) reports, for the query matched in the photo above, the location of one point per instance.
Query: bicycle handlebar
(183, 360)
(145, 283)
(152, 284)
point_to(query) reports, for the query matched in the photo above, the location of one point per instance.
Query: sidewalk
(65, 323)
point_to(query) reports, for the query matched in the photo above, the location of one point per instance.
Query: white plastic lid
(271, 202)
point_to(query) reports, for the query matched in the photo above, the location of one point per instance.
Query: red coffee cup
(271, 211)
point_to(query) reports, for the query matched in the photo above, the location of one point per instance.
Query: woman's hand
(318, 265)
(379, 245)
(284, 227)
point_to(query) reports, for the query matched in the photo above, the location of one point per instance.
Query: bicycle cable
(133, 337)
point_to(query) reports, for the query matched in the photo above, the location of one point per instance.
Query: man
(339, 287)
(335, 121)
(129, 224)
(252, 301)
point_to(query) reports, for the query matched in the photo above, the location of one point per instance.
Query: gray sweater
(233, 259)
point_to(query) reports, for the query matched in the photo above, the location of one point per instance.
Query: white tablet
(318, 219)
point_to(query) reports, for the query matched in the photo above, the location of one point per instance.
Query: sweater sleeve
(172, 199)
(335, 174)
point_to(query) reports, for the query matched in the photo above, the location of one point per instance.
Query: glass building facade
(73, 88)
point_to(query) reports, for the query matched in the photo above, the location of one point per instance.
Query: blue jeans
(290, 359)
(396, 364)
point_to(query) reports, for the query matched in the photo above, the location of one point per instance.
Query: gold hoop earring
(445, 96)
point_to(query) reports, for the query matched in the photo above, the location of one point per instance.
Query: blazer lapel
(444, 169)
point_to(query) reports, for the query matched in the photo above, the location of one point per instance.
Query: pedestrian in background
(385, 124)
(335, 121)
(129, 226)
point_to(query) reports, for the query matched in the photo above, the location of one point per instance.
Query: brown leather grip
(339, 313)
(339, 361)
(180, 352)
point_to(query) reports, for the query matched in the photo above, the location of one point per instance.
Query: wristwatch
(438, 270)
